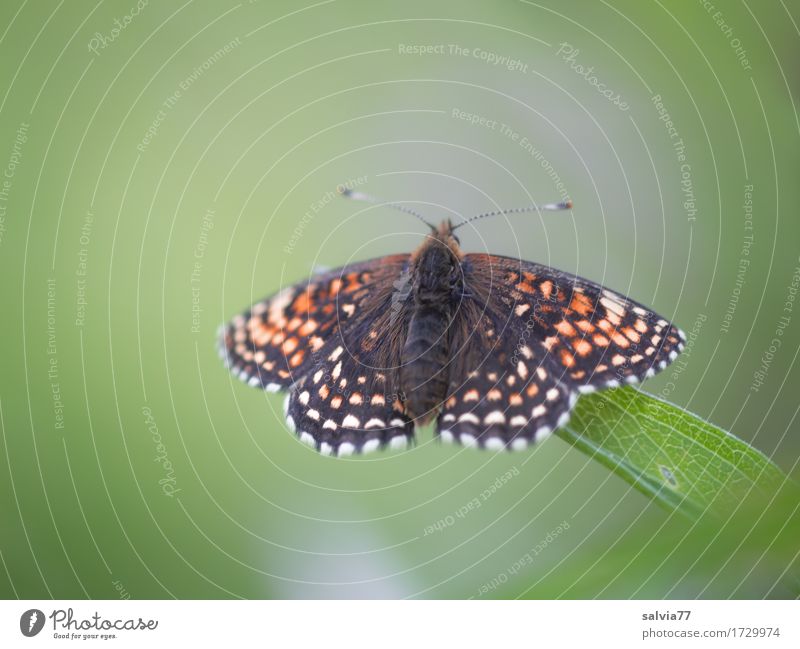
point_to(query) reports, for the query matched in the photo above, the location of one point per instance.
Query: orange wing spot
(579, 374)
(640, 326)
(567, 359)
(533, 390)
(336, 286)
(297, 359)
(529, 277)
(336, 402)
(550, 341)
(278, 338)
(328, 309)
(294, 323)
(512, 277)
(316, 343)
(600, 341)
(494, 395)
(565, 328)
(601, 368)
(617, 360)
(284, 374)
(620, 340)
(289, 346)
(613, 318)
(581, 304)
(262, 335)
(302, 303)
(324, 391)
(398, 406)
(546, 288)
(308, 328)
(585, 325)
(515, 399)
(450, 403)
(471, 395)
(353, 283)
(525, 288)
(268, 365)
(631, 334)
(582, 347)
(606, 326)
(356, 398)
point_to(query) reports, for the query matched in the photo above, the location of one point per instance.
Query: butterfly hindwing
(343, 407)
(508, 400)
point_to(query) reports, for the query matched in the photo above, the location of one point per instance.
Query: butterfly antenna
(359, 196)
(566, 205)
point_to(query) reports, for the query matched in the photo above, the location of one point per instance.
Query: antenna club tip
(344, 191)
(568, 204)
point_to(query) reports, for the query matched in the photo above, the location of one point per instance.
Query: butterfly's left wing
(524, 330)
(334, 342)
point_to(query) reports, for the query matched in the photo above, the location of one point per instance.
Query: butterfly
(495, 349)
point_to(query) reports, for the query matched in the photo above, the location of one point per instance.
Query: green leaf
(669, 454)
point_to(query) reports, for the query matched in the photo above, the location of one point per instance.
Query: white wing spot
(519, 444)
(345, 449)
(351, 422)
(495, 417)
(398, 442)
(494, 444)
(370, 445)
(468, 440)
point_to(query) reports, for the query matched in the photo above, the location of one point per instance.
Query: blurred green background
(166, 164)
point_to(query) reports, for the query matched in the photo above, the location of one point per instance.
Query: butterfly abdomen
(424, 359)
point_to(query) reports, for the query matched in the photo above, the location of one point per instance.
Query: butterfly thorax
(436, 279)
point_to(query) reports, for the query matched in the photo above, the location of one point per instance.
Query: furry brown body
(435, 278)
